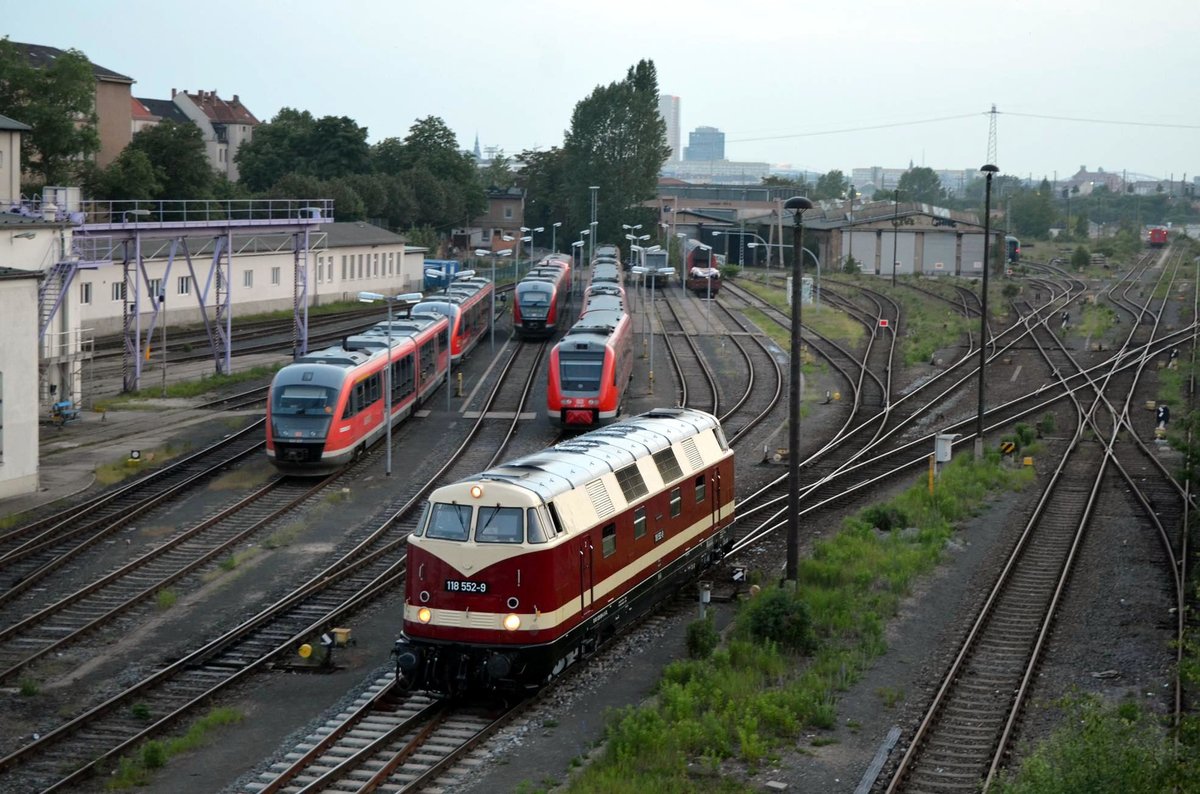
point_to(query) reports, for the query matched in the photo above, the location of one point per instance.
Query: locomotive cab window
(700, 485)
(536, 533)
(422, 521)
(449, 522)
(500, 525)
(676, 501)
(608, 539)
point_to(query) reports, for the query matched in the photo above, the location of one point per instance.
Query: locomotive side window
(558, 525)
(631, 482)
(449, 522)
(500, 525)
(639, 523)
(534, 524)
(420, 528)
(676, 501)
(668, 465)
(608, 539)
(700, 486)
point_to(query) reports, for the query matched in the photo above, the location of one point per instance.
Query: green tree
(57, 102)
(275, 149)
(921, 184)
(832, 184)
(618, 142)
(498, 173)
(543, 176)
(337, 147)
(130, 176)
(176, 151)
(1031, 213)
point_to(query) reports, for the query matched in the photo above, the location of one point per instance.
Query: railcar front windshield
(303, 400)
(534, 297)
(581, 371)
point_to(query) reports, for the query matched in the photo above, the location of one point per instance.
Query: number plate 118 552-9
(465, 586)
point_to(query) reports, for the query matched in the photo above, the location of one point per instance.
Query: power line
(1106, 121)
(855, 129)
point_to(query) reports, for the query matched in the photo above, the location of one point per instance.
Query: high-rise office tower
(668, 108)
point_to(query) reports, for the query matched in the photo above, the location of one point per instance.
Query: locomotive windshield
(581, 371)
(449, 522)
(500, 525)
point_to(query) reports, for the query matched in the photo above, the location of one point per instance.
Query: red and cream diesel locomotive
(517, 572)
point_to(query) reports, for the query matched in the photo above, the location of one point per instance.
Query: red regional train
(540, 300)
(467, 304)
(521, 570)
(1157, 236)
(591, 367)
(327, 407)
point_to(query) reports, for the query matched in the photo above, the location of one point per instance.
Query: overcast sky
(810, 85)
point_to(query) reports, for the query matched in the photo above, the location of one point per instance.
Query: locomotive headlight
(423, 614)
(512, 622)
(476, 491)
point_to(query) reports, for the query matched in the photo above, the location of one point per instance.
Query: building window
(247, 278)
(155, 285)
(274, 275)
(329, 270)
(508, 213)
(391, 263)
(343, 267)
(320, 268)
(118, 290)
(360, 265)
(376, 265)
(184, 285)
(85, 292)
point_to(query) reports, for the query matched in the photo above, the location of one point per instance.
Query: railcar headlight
(476, 491)
(512, 622)
(423, 614)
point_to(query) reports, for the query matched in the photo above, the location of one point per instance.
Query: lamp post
(576, 247)
(372, 297)
(162, 299)
(682, 237)
(708, 299)
(850, 253)
(493, 255)
(592, 225)
(798, 205)
(989, 171)
(726, 236)
(653, 272)
(895, 235)
(554, 236)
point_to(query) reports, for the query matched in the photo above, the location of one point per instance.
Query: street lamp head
(482, 252)
(540, 229)
(464, 274)
(527, 238)
(586, 232)
(371, 297)
(989, 169)
(798, 203)
(508, 238)
(556, 225)
(577, 244)
(524, 229)
(409, 297)
(505, 252)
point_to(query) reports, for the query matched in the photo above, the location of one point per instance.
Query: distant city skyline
(811, 87)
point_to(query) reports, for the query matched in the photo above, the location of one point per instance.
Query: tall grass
(750, 698)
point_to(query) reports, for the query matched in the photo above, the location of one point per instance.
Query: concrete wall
(384, 268)
(18, 386)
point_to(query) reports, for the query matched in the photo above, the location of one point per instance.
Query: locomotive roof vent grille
(668, 465)
(631, 482)
(693, 453)
(600, 499)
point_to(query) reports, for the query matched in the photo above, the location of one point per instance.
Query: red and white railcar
(327, 407)
(540, 299)
(516, 572)
(467, 304)
(590, 369)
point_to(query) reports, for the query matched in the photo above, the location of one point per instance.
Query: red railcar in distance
(1157, 236)
(540, 299)
(467, 304)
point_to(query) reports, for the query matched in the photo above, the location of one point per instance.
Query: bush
(702, 637)
(1025, 434)
(154, 755)
(780, 616)
(852, 265)
(1081, 258)
(885, 517)
(1045, 425)
(730, 271)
